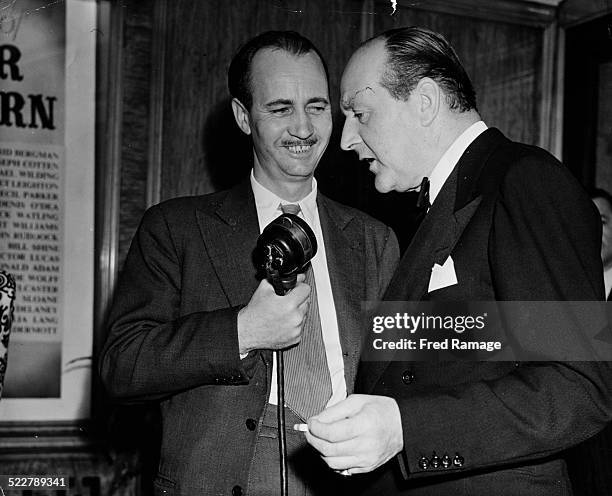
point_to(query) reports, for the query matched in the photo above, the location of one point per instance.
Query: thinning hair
(239, 73)
(414, 53)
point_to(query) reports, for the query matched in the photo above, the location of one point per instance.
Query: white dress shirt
(447, 162)
(267, 204)
(608, 280)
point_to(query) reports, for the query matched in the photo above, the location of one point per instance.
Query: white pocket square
(442, 275)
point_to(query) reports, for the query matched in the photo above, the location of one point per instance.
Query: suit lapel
(435, 234)
(345, 262)
(433, 237)
(230, 230)
(445, 222)
(439, 232)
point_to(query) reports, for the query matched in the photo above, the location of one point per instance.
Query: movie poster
(46, 199)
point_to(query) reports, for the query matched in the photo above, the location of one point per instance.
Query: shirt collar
(608, 281)
(268, 201)
(451, 156)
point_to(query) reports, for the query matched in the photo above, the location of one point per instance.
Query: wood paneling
(573, 12)
(135, 125)
(109, 104)
(503, 61)
(521, 12)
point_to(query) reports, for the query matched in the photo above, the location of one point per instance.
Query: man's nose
(301, 125)
(350, 136)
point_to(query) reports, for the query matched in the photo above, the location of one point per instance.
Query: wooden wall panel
(503, 61)
(573, 12)
(135, 125)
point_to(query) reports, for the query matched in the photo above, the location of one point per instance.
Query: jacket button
(446, 461)
(458, 461)
(236, 491)
(251, 424)
(408, 377)
(435, 461)
(423, 463)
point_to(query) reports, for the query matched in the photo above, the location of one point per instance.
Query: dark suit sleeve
(543, 245)
(152, 350)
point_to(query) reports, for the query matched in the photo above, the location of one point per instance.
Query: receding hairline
(352, 65)
(362, 50)
(371, 45)
(288, 54)
(323, 98)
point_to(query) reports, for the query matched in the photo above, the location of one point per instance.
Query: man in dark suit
(193, 328)
(507, 222)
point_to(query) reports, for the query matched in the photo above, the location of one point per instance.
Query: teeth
(299, 149)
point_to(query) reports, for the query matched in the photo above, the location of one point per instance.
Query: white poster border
(78, 243)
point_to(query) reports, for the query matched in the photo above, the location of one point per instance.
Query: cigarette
(300, 427)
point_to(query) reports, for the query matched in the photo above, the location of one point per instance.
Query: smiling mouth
(299, 148)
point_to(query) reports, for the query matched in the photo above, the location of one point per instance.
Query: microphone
(283, 250)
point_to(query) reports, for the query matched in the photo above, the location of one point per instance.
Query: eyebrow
(318, 99)
(347, 103)
(283, 101)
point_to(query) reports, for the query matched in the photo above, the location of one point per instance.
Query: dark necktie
(423, 199)
(422, 203)
(307, 380)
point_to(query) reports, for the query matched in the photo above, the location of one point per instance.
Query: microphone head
(285, 246)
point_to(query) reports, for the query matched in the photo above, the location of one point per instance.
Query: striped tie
(307, 380)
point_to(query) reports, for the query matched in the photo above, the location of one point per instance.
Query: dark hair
(239, 73)
(601, 193)
(414, 53)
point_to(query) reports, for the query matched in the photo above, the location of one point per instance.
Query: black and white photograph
(305, 247)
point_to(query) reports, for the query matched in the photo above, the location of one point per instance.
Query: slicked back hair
(239, 73)
(414, 53)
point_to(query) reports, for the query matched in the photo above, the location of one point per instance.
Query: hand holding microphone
(270, 321)
(274, 316)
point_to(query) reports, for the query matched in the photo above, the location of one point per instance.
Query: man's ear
(429, 96)
(241, 114)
